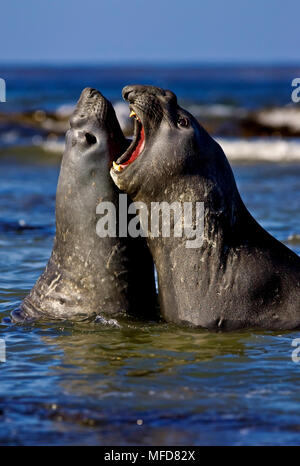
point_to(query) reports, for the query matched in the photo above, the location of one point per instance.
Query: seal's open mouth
(135, 148)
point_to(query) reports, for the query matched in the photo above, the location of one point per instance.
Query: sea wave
(256, 150)
(268, 135)
(261, 149)
(236, 149)
(288, 116)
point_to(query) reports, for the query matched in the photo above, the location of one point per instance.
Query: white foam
(65, 110)
(277, 117)
(262, 149)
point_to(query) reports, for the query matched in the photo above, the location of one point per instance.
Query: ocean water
(48, 87)
(238, 104)
(143, 383)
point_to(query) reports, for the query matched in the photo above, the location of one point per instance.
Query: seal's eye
(90, 139)
(183, 122)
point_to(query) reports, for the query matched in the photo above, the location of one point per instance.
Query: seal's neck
(201, 205)
(181, 269)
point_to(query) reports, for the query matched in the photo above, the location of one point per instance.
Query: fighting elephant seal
(240, 276)
(89, 275)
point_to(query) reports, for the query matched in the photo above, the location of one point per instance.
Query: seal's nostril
(90, 139)
(127, 93)
(94, 92)
(89, 93)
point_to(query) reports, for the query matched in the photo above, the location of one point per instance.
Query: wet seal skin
(240, 276)
(88, 275)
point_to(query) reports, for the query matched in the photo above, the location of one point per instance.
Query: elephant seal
(88, 275)
(240, 276)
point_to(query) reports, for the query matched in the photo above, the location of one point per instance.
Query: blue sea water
(86, 384)
(48, 87)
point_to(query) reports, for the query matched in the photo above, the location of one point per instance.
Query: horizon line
(149, 63)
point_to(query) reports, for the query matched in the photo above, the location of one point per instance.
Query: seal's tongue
(136, 152)
(135, 148)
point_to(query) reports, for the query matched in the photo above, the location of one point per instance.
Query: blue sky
(117, 31)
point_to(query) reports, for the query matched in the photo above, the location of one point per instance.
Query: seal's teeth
(117, 167)
(133, 114)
